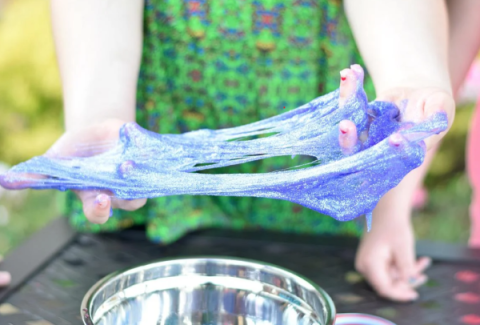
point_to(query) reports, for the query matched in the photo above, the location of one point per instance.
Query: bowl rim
(90, 294)
(350, 316)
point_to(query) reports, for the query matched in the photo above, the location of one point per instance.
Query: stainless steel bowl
(206, 291)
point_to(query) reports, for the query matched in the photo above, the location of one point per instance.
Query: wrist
(92, 101)
(77, 118)
(389, 225)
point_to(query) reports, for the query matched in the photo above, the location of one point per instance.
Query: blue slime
(343, 185)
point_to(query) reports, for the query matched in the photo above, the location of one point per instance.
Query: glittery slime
(343, 182)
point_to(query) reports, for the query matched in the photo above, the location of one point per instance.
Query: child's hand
(419, 103)
(87, 142)
(386, 258)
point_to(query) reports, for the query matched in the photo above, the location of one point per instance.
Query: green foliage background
(30, 91)
(31, 120)
(30, 110)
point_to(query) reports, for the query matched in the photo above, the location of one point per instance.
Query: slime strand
(362, 151)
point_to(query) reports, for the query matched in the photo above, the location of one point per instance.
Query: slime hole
(253, 137)
(276, 164)
(204, 164)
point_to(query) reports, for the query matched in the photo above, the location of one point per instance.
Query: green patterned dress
(223, 63)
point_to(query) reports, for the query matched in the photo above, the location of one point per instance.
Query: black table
(53, 270)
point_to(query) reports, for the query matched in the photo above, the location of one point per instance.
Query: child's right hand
(88, 142)
(84, 142)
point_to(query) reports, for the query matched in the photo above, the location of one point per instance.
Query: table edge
(45, 244)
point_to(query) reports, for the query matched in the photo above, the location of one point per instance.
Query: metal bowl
(206, 291)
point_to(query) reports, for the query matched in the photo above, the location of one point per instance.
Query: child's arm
(98, 45)
(402, 40)
(405, 46)
(464, 18)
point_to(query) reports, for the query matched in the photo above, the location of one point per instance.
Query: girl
(174, 66)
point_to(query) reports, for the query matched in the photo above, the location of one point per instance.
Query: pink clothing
(473, 170)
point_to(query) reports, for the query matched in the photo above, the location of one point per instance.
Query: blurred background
(31, 120)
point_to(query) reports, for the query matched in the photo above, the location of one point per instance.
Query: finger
(413, 282)
(358, 70)
(422, 264)
(376, 274)
(96, 206)
(405, 262)
(436, 103)
(5, 278)
(348, 85)
(440, 102)
(396, 139)
(387, 286)
(347, 136)
(18, 181)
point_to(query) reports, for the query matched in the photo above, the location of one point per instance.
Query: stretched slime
(352, 170)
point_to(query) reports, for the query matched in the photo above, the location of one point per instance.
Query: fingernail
(395, 139)
(5, 278)
(355, 67)
(412, 280)
(101, 200)
(343, 74)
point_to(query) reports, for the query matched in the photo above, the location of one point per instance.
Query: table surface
(54, 269)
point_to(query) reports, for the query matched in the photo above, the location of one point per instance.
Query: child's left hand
(419, 103)
(386, 258)
(386, 255)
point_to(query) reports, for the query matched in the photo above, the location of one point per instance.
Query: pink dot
(467, 276)
(471, 319)
(468, 297)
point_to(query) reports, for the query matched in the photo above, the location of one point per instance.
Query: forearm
(402, 40)
(98, 46)
(464, 16)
